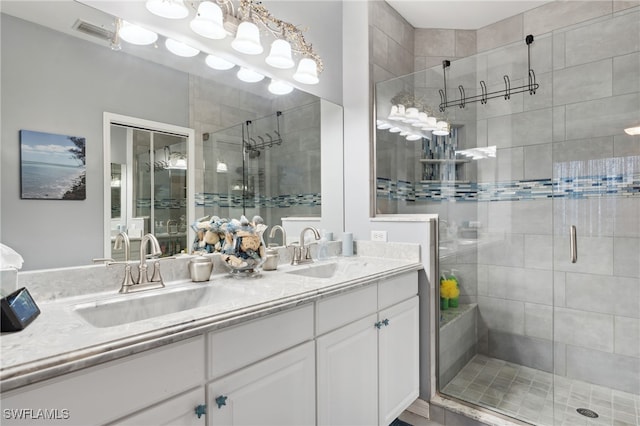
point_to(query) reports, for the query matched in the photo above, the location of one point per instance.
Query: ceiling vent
(93, 30)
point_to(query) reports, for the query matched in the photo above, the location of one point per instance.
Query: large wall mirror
(71, 77)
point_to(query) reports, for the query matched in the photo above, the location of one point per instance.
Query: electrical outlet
(379, 236)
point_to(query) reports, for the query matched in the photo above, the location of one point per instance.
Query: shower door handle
(573, 243)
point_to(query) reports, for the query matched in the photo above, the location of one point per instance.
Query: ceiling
(460, 14)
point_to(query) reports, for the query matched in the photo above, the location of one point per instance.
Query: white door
(347, 375)
(398, 359)
(278, 391)
(178, 411)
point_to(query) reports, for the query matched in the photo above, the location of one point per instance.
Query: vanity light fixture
(278, 87)
(180, 49)
(208, 21)
(136, 35)
(249, 76)
(217, 63)
(171, 9)
(632, 131)
(253, 18)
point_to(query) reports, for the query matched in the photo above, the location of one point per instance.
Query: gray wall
(59, 84)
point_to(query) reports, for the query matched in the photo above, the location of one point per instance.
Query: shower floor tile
(528, 394)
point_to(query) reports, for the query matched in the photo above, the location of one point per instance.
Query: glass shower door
(596, 223)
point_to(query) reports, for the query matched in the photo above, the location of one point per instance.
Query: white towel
(9, 258)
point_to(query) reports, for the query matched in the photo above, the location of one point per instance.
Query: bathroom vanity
(334, 342)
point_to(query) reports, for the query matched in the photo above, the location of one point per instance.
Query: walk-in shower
(539, 221)
(267, 166)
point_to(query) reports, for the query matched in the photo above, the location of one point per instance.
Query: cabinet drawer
(112, 390)
(397, 289)
(241, 345)
(344, 308)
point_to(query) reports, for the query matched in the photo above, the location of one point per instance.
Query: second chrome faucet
(301, 253)
(143, 282)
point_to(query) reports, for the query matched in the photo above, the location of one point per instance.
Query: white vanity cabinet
(177, 411)
(263, 371)
(368, 366)
(114, 390)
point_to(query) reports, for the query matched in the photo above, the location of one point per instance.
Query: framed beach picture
(52, 166)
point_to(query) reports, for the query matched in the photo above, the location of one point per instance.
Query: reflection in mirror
(150, 181)
(74, 77)
(269, 167)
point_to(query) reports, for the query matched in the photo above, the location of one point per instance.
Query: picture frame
(52, 166)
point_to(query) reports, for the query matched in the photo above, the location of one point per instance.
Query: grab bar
(573, 244)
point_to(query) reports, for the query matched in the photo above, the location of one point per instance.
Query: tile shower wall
(588, 72)
(569, 131)
(284, 179)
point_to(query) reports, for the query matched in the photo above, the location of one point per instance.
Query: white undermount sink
(128, 308)
(322, 270)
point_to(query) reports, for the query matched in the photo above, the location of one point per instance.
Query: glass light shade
(208, 22)
(413, 137)
(278, 87)
(442, 129)
(395, 130)
(404, 133)
(180, 49)
(411, 115)
(382, 125)
(431, 124)
(247, 39)
(632, 131)
(218, 63)
(307, 72)
(397, 113)
(221, 167)
(136, 35)
(280, 55)
(421, 121)
(171, 9)
(249, 76)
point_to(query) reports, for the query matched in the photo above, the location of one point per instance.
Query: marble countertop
(60, 340)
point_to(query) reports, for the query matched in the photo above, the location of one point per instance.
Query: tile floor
(528, 394)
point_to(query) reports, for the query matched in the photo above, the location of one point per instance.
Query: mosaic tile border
(208, 199)
(617, 185)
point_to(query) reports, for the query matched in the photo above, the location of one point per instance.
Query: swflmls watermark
(36, 414)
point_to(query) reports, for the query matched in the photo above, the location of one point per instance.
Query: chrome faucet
(302, 254)
(144, 282)
(127, 280)
(284, 234)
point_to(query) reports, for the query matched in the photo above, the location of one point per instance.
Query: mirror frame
(112, 118)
